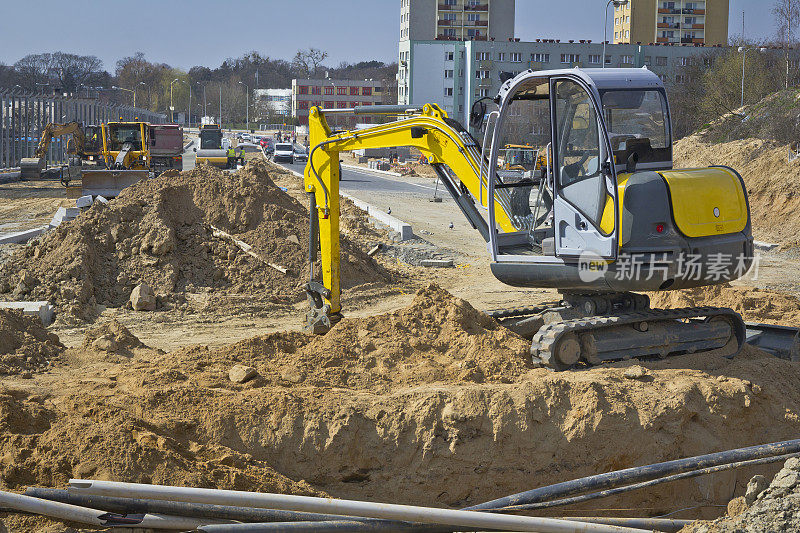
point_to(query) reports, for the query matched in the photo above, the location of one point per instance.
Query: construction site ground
(416, 397)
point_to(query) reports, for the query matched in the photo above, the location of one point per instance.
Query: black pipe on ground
(637, 486)
(639, 474)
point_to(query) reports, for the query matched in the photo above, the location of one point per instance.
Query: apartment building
(335, 94)
(672, 22)
(453, 21)
(456, 74)
(456, 20)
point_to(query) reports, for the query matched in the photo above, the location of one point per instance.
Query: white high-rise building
(449, 20)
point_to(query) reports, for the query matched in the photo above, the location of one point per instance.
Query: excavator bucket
(31, 167)
(109, 183)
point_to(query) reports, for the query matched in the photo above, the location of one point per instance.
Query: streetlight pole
(617, 3)
(171, 105)
(743, 50)
(247, 104)
(220, 104)
(129, 90)
(148, 92)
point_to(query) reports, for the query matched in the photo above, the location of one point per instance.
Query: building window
(316, 90)
(661, 61)
(627, 34)
(680, 78)
(608, 59)
(473, 17)
(648, 60)
(483, 93)
(354, 91)
(303, 89)
(449, 2)
(448, 73)
(448, 56)
(341, 91)
(570, 58)
(594, 58)
(366, 91)
(473, 33)
(683, 61)
(303, 104)
(540, 58)
(450, 32)
(449, 16)
(448, 92)
(483, 56)
(501, 56)
(516, 57)
(482, 74)
(626, 60)
(328, 91)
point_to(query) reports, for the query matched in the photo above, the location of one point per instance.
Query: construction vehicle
(211, 151)
(126, 159)
(166, 147)
(606, 218)
(85, 144)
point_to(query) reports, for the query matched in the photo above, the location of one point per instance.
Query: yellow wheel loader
(125, 157)
(607, 215)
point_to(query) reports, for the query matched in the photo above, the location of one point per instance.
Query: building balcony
(444, 22)
(476, 23)
(480, 7)
(697, 26)
(477, 38)
(694, 11)
(692, 40)
(669, 24)
(444, 7)
(441, 37)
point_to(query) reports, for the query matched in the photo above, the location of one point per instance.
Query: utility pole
(220, 105)
(247, 105)
(617, 3)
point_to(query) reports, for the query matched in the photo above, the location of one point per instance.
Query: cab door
(585, 199)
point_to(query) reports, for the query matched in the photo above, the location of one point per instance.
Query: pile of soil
(755, 305)
(159, 232)
(438, 338)
(771, 180)
(25, 345)
(775, 509)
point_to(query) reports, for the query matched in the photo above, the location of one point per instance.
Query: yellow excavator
(85, 144)
(606, 217)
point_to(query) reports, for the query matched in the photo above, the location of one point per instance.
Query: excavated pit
(433, 404)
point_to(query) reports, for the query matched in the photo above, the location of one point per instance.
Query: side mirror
(478, 113)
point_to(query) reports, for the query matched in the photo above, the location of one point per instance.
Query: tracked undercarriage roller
(573, 332)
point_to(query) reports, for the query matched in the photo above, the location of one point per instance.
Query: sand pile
(159, 232)
(770, 179)
(25, 345)
(776, 508)
(755, 305)
(437, 339)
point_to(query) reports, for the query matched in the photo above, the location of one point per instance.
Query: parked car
(283, 152)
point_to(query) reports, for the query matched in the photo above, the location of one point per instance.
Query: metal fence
(23, 117)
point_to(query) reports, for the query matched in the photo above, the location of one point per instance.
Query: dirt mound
(160, 232)
(437, 339)
(48, 445)
(112, 337)
(756, 305)
(25, 345)
(770, 179)
(775, 509)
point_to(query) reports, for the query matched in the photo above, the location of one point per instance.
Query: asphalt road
(355, 182)
(189, 156)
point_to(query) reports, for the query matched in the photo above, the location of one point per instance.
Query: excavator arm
(447, 146)
(53, 130)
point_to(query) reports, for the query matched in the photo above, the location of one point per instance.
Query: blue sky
(204, 32)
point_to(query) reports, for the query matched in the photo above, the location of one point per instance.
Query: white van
(284, 152)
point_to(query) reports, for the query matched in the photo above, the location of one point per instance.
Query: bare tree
(787, 16)
(307, 62)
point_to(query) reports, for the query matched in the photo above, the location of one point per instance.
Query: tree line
(159, 86)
